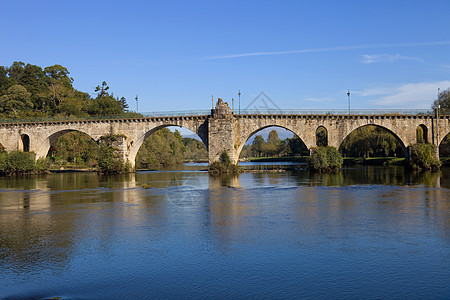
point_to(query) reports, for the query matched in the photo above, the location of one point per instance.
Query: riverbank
(348, 161)
(375, 161)
(299, 159)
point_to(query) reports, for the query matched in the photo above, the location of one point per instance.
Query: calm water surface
(368, 232)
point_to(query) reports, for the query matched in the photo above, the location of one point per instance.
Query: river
(366, 232)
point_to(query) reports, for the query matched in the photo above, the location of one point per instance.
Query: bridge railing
(297, 112)
(183, 113)
(236, 112)
(335, 111)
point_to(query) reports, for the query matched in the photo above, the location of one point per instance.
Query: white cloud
(412, 95)
(375, 58)
(327, 49)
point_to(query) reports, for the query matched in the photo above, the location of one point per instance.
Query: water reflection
(72, 224)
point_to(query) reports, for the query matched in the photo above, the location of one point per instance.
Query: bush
(423, 157)
(18, 163)
(223, 165)
(325, 159)
(108, 161)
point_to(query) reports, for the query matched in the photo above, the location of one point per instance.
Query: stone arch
(402, 144)
(422, 134)
(24, 143)
(44, 147)
(444, 146)
(321, 136)
(244, 140)
(136, 143)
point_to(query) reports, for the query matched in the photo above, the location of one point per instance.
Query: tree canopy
(274, 146)
(30, 91)
(444, 101)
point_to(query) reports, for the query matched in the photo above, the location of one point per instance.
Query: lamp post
(348, 96)
(232, 104)
(239, 94)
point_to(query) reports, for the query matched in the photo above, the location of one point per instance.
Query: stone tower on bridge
(220, 132)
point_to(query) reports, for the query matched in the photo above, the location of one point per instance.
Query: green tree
(419, 135)
(423, 157)
(257, 145)
(161, 149)
(273, 145)
(58, 73)
(105, 104)
(102, 89)
(16, 72)
(76, 148)
(444, 147)
(444, 101)
(325, 159)
(296, 146)
(370, 141)
(273, 137)
(16, 101)
(321, 137)
(194, 149)
(4, 80)
(108, 161)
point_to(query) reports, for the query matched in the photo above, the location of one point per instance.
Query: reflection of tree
(327, 179)
(39, 226)
(31, 240)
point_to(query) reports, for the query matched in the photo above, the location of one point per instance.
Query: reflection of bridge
(222, 130)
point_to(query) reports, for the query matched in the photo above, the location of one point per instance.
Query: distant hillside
(192, 136)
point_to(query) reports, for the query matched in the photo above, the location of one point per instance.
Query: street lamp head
(348, 93)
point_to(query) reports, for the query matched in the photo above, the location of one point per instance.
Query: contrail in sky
(328, 49)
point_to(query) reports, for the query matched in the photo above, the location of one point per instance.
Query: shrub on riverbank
(423, 157)
(223, 165)
(109, 161)
(20, 163)
(325, 159)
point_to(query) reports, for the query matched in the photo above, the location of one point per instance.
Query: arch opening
(71, 148)
(272, 141)
(444, 146)
(24, 144)
(372, 141)
(321, 137)
(169, 145)
(421, 134)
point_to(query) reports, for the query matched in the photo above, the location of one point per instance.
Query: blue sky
(302, 54)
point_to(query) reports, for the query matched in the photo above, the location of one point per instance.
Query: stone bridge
(222, 130)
